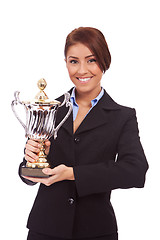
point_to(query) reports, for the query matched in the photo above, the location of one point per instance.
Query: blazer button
(70, 201)
(77, 139)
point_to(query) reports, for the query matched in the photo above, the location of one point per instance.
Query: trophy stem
(41, 154)
(42, 161)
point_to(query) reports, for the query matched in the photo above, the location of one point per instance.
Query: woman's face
(83, 69)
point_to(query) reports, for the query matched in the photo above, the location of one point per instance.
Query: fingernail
(45, 170)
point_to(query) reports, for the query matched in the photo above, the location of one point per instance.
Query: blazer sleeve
(28, 182)
(127, 171)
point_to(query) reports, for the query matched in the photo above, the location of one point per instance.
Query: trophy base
(33, 172)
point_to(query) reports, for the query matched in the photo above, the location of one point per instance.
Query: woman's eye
(73, 61)
(92, 60)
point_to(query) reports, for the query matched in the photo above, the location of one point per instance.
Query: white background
(32, 37)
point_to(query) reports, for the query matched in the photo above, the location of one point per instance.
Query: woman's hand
(58, 173)
(32, 148)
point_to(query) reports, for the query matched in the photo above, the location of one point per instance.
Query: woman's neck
(85, 98)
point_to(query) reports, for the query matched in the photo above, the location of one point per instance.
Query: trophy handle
(68, 104)
(16, 102)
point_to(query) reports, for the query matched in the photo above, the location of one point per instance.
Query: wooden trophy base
(33, 172)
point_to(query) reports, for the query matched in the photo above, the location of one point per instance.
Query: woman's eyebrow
(90, 56)
(73, 57)
(85, 57)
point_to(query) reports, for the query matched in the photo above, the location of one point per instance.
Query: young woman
(97, 150)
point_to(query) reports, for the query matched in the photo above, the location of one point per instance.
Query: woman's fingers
(47, 143)
(30, 156)
(58, 174)
(33, 147)
(47, 146)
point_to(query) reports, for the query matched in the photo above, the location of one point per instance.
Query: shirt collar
(73, 97)
(93, 102)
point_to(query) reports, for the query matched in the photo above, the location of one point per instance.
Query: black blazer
(106, 154)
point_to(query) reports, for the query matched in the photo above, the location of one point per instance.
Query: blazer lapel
(61, 113)
(99, 114)
(96, 117)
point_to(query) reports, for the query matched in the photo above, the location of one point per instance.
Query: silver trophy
(40, 124)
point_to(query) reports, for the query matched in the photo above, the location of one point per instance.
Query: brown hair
(94, 40)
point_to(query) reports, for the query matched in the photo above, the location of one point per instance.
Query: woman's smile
(84, 79)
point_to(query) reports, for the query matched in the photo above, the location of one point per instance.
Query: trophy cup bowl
(40, 125)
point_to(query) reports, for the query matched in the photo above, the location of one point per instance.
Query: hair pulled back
(94, 40)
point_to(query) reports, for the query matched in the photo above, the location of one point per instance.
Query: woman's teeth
(84, 79)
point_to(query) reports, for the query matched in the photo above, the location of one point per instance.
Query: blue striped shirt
(76, 107)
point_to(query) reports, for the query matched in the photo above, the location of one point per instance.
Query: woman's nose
(82, 68)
